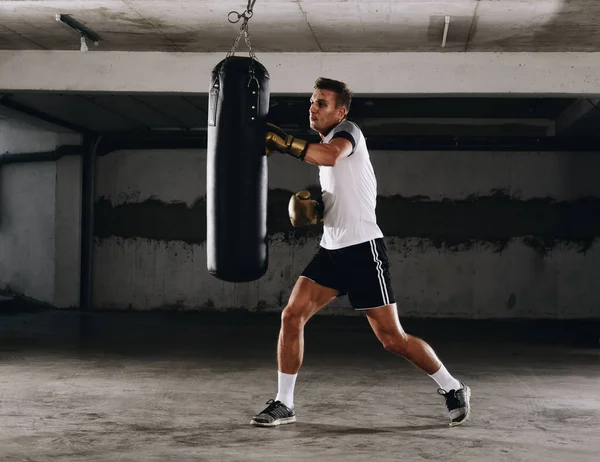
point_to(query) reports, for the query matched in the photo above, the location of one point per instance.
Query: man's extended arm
(326, 154)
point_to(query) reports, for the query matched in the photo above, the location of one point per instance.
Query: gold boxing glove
(278, 140)
(303, 210)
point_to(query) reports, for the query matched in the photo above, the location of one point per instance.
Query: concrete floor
(159, 387)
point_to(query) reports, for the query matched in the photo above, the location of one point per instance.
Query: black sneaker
(276, 413)
(458, 404)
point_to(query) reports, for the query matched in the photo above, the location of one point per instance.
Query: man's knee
(294, 314)
(396, 342)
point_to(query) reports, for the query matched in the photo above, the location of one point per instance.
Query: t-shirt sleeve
(348, 131)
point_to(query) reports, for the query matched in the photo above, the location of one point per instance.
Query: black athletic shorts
(361, 271)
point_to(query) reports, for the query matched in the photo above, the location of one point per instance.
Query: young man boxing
(352, 256)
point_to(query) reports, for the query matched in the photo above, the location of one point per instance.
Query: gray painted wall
(39, 217)
(470, 234)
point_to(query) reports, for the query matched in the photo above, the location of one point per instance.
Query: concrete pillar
(39, 217)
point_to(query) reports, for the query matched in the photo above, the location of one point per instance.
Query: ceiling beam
(36, 118)
(382, 74)
(459, 126)
(575, 113)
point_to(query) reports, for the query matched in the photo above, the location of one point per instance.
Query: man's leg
(386, 325)
(306, 300)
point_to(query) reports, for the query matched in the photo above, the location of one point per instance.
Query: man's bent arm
(327, 154)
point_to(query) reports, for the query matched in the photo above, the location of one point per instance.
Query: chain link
(247, 14)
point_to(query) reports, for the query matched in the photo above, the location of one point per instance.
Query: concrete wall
(39, 217)
(470, 234)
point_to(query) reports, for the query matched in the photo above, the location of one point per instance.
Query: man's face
(323, 113)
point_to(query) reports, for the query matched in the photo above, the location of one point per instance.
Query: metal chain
(247, 14)
(248, 44)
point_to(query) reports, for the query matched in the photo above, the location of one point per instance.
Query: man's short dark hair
(344, 96)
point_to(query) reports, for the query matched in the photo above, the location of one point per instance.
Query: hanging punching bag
(236, 196)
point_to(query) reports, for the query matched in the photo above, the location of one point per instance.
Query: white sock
(445, 380)
(285, 391)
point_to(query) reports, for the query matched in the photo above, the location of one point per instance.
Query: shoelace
(454, 400)
(272, 407)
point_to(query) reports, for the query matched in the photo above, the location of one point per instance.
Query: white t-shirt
(349, 193)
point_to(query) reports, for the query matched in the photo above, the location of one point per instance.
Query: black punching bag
(236, 195)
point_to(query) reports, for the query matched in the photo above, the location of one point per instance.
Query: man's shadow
(241, 435)
(324, 430)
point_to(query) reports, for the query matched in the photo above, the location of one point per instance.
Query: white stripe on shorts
(384, 293)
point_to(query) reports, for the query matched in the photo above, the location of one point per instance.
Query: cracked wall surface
(470, 234)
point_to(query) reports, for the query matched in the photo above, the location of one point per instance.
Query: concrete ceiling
(307, 25)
